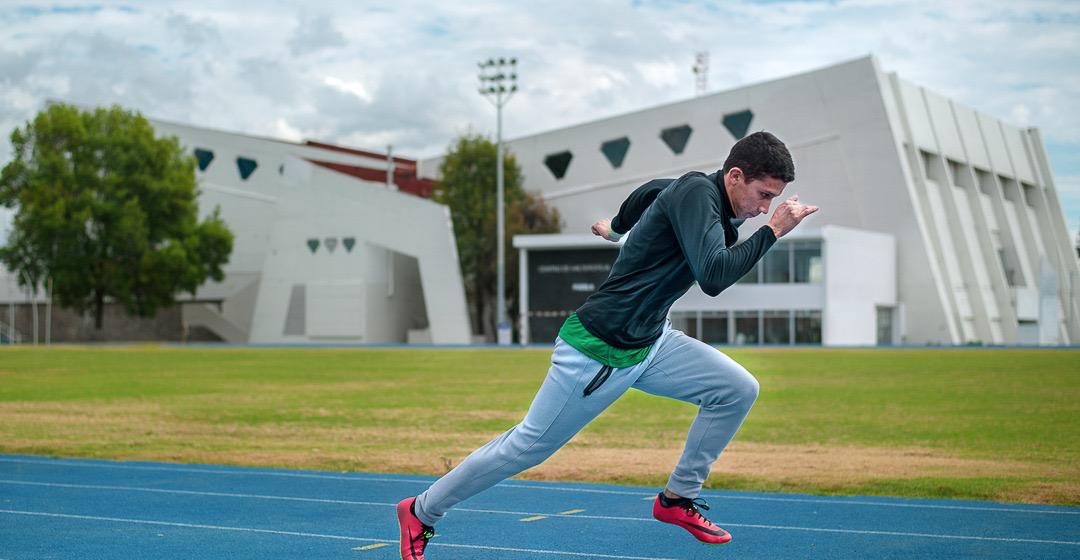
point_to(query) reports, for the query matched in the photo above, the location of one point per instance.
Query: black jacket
(684, 230)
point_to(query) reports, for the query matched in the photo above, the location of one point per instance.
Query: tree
(467, 186)
(104, 209)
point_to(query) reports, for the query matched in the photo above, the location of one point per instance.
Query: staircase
(205, 315)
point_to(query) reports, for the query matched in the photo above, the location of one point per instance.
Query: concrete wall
(860, 276)
(277, 289)
(955, 189)
(988, 218)
(59, 325)
(348, 288)
(345, 295)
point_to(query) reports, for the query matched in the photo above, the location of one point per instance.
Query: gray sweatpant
(678, 366)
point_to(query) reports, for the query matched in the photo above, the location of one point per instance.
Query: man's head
(756, 171)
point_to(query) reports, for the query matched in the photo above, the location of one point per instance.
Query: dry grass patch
(782, 463)
(148, 431)
(830, 467)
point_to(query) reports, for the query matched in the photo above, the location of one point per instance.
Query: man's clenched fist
(787, 215)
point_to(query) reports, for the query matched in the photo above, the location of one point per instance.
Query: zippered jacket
(684, 231)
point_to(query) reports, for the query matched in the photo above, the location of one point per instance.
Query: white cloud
(1021, 115)
(662, 73)
(351, 87)
(404, 72)
(315, 33)
(285, 131)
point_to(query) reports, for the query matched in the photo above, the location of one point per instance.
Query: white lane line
(789, 528)
(538, 514)
(196, 493)
(319, 535)
(106, 465)
(837, 501)
(511, 484)
(900, 534)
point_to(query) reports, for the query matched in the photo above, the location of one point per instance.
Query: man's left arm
(631, 210)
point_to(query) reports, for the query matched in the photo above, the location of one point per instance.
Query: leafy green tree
(467, 186)
(105, 210)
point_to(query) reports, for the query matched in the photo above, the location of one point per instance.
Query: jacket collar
(730, 223)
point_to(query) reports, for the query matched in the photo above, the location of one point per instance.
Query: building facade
(980, 252)
(331, 245)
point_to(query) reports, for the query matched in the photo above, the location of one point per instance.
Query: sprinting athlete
(684, 231)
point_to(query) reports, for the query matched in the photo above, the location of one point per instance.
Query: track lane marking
(899, 534)
(542, 515)
(362, 478)
(371, 546)
(319, 535)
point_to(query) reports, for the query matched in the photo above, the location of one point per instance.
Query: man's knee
(739, 390)
(749, 388)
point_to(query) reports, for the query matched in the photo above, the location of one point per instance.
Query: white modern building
(329, 247)
(938, 224)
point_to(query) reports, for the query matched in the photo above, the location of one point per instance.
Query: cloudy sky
(368, 74)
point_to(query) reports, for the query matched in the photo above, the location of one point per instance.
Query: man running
(684, 232)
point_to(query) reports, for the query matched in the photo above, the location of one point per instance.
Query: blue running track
(82, 509)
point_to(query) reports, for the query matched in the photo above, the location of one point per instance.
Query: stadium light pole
(498, 82)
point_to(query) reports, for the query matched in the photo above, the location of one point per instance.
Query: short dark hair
(759, 155)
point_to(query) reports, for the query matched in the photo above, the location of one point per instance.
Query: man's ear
(735, 174)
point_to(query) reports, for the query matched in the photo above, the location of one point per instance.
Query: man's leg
(689, 370)
(686, 369)
(558, 412)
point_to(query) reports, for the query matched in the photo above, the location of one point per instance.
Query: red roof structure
(404, 169)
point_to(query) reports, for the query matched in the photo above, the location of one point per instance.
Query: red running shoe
(685, 513)
(414, 535)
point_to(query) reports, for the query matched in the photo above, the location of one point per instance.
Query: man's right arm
(788, 214)
(696, 218)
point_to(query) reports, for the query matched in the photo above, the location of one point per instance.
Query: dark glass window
(615, 150)
(746, 327)
(738, 123)
(676, 137)
(204, 157)
(775, 267)
(884, 326)
(777, 327)
(808, 327)
(246, 166)
(558, 163)
(807, 257)
(1013, 275)
(714, 327)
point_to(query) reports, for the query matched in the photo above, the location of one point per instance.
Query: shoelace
(692, 507)
(426, 535)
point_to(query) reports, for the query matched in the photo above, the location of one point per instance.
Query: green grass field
(999, 424)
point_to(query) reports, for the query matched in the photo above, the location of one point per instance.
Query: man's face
(752, 198)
